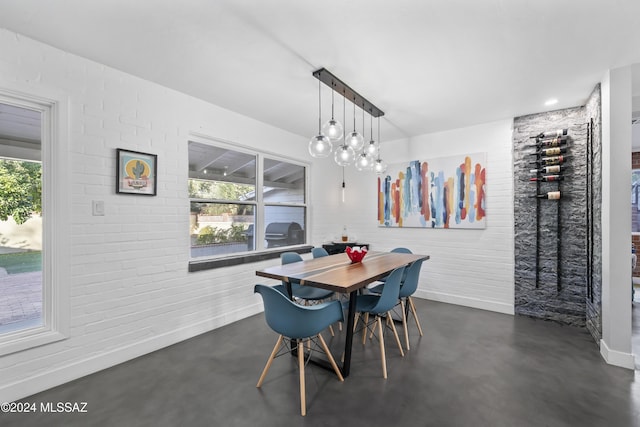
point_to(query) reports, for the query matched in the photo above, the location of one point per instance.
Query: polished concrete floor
(471, 368)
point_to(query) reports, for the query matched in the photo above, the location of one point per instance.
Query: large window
(33, 213)
(243, 201)
(20, 219)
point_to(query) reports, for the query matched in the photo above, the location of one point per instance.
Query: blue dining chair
(399, 250)
(299, 323)
(408, 287)
(306, 294)
(379, 306)
(319, 252)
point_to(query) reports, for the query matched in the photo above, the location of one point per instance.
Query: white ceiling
(431, 65)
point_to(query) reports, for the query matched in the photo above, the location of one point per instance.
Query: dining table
(337, 273)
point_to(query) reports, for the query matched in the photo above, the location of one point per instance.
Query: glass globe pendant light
(320, 146)
(371, 148)
(354, 139)
(333, 128)
(379, 166)
(344, 154)
(364, 161)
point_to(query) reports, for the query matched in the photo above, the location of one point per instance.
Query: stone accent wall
(593, 109)
(560, 291)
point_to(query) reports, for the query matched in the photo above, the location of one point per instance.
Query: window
(20, 219)
(33, 297)
(243, 201)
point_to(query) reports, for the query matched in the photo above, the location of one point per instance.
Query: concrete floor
(472, 368)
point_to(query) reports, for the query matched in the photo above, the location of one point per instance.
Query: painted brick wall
(130, 291)
(129, 286)
(467, 267)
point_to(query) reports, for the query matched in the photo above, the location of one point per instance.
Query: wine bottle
(547, 169)
(552, 134)
(553, 142)
(548, 161)
(548, 178)
(551, 195)
(552, 151)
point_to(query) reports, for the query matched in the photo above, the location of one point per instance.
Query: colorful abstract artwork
(447, 192)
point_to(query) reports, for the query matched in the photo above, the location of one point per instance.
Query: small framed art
(136, 172)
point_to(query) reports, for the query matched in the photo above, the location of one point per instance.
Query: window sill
(30, 338)
(210, 264)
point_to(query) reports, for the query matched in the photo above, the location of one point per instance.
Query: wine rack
(551, 157)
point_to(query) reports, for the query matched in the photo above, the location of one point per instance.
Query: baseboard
(466, 301)
(55, 377)
(617, 358)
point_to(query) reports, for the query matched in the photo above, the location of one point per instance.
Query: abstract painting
(447, 192)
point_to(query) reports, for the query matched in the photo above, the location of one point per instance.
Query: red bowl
(356, 253)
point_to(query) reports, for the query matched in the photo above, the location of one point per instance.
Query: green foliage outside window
(20, 190)
(210, 235)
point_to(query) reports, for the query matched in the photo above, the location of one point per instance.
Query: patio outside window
(243, 201)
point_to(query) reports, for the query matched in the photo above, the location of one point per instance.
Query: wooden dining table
(337, 273)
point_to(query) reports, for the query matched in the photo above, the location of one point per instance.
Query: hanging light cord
(319, 109)
(378, 137)
(332, 87)
(354, 114)
(363, 131)
(344, 115)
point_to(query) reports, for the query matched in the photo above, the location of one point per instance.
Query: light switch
(97, 207)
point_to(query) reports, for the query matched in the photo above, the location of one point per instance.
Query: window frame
(260, 252)
(55, 232)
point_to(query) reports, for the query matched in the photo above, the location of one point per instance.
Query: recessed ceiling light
(551, 101)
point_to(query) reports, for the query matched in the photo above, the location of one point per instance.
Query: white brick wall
(130, 292)
(467, 267)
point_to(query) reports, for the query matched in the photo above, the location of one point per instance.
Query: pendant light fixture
(371, 148)
(354, 139)
(320, 146)
(344, 154)
(379, 166)
(364, 161)
(351, 146)
(333, 128)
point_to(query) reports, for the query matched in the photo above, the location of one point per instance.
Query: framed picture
(137, 173)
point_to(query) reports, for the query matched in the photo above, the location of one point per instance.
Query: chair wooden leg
(415, 314)
(331, 331)
(303, 400)
(270, 360)
(404, 324)
(330, 357)
(382, 354)
(355, 321)
(395, 332)
(364, 329)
